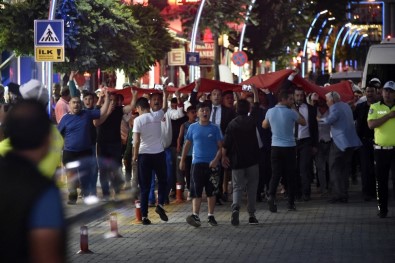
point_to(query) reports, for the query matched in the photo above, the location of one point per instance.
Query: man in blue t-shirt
(207, 145)
(281, 119)
(75, 129)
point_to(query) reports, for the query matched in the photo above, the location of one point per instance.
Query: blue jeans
(147, 164)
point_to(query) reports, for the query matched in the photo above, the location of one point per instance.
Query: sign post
(49, 40)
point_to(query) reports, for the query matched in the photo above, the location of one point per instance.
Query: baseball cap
(33, 89)
(375, 83)
(389, 85)
(171, 84)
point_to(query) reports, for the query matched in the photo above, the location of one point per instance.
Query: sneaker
(272, 205)
(291, 207)
(146, 221)
(211, 221)
(161, 212)
(194, 220)
(252, 220)
(235, 218)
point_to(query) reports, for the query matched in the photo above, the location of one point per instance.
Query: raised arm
(165, 104)
(74, 92)
(104, 110)
(132, 105)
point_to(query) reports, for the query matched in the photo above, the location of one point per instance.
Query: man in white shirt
(149, 154)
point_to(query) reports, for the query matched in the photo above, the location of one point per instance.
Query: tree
(17, 25)
(216, 16)
(101, 34)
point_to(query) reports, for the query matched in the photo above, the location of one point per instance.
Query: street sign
(49, 40)
(193, 58)
(176, 57)
(54, 54)
(239, 58)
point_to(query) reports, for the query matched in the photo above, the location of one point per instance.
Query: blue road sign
(48, 33)
(193, 58)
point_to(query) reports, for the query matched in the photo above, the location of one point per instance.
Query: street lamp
(307, 39)
(243, 33)
(193, 38)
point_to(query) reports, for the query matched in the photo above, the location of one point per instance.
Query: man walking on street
(281, 119)
(345, 141)
(381, 118)
(207, 143)
(148, 153)
(241, 152)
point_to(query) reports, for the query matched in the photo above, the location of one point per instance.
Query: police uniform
(384, 152)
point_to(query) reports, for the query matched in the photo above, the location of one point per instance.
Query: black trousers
(366, 155)
(385, 160)
(283, 161)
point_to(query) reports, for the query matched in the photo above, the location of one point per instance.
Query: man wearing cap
(381, 118)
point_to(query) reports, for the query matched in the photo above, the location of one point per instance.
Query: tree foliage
(216, 15)
(101, 34)
(17, 24)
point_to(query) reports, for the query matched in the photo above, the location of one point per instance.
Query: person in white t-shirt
(149, 154)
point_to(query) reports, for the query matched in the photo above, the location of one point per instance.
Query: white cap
(171, 84)
(389, 85)
(33, 89)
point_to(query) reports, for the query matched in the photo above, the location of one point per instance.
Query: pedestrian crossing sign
(48, 33)
(49, 40)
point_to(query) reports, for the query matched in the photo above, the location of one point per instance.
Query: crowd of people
(253, 141)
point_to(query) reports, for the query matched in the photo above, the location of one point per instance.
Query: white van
(380, 62)
(355, 76)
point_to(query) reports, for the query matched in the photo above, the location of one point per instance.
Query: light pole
(243, 30)
(307, 39)
(193, 39)
(49, 65)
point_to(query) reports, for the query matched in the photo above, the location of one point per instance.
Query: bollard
(114, 225)
(179, 193)
(139, 218)
(84, 244)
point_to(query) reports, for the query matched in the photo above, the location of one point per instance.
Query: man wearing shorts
(207, 145)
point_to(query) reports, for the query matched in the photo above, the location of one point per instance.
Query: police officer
(381, 118)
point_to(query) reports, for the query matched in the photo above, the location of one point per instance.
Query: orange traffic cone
(179, 194)
(84, 244)
(139, 218)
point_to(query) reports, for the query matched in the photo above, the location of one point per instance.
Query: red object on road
(84, 244)
(114, 225)
(139, 218)
(179, 194)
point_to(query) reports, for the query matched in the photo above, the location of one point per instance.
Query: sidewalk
(316, 232)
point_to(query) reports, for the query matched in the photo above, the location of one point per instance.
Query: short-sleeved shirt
(282, 122)
(384, 134)
(76, 130)
(205, 140)
(149, 127)
(48, 211)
